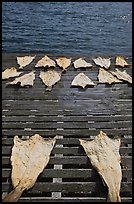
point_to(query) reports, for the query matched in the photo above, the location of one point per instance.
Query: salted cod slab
(28, 160)
(63, 62)
(24, 61)
(107, 77)
(10, 72)
(102, 62)
(25, 80)
(122, 75)
(82, 80)
(103, 153)
(120, 61)
(45, 62)
(49, 78)
(81, 63)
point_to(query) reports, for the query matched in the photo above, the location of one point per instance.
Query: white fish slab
(103, 153)
(10, 72)
(24, 61)
(63, 62)
(82, 80)
(122, 75)
(102, 62)
(25, 80)
(79, 63)
(120, 61)
(28, 160)
(45, 62)
(49, 78)
(106, 77)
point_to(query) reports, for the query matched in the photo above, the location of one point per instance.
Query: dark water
(67, 28)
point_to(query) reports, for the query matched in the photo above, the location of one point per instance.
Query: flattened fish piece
(63, 62)
(28, 160)
(120, 61)
(49, 78)
(25, 80)
(79, 63)
(122, 75)
(10, 72)
(102, 62)
(45, 62)
(24, 61)
(103, 153)
(82, 80)
(106, 77)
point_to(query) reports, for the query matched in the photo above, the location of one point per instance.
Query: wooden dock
(70, 113)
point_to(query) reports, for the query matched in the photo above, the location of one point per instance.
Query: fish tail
(13, 196)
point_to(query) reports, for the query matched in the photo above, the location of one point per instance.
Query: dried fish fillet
(63, 62)
(24, 61)
(49, 78)
(102, 62)
(106, 77)
(103, 153)
(82, 80)
(28, 160)
(79, 63)
(45, 62)
(122, 75)
(25, 80)
(120, 61)
(10, 72)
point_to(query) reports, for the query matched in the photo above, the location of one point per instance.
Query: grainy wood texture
(73, 113)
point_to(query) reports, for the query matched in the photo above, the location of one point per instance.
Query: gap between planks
(57, 195)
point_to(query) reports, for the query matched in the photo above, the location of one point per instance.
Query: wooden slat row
(75, 160)
(6, 150)
(66, 132)
(34, 118)
(64, 187)
(66, 141)
(69, 199)
(70, 173)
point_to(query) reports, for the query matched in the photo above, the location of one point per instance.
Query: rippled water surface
(67, 28)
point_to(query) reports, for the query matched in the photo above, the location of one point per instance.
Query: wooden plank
(70, 199)
(73, 104)
(75, 160)
(43, 118)
(63, 100)
(6, 150)
(59, 106)
(90, 174)
(27, 93)
(43, 96)
(107, 111)
(61, 92)
(66, 112)
(42, 105)
(64, 187)
(74, 133)
(67, 125)
(66, 132)
(68, 141)
(50, 101)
